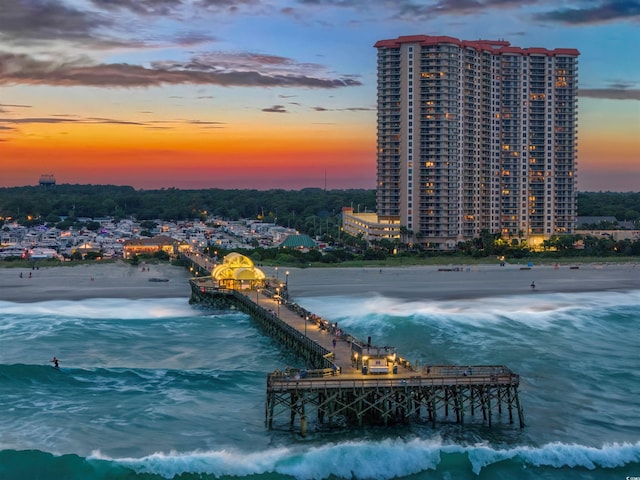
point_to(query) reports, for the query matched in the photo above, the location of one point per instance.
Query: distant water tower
(47, 180)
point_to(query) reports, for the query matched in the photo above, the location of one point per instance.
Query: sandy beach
(121, 280)
(460, 281)
(100, 280)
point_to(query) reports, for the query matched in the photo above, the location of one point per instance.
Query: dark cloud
(263, 71)
(230, 6)
(584, 12)
(194, 38)
(64, 119)
(275, 109)
(68, 119)
(141, 7)
(41, 22)
(594, 12)
(610, 93)
(348, 109)
(414, 10)
(12, 105)
(24, 22)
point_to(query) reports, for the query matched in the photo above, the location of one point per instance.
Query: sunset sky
(270, 93)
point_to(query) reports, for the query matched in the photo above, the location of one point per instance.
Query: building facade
(476, 136)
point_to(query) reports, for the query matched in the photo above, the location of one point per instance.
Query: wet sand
(121, 280)
(460, 281)
(107, 280)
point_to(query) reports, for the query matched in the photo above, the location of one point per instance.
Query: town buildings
(473, 137)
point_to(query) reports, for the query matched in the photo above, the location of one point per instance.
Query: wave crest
(384, 459)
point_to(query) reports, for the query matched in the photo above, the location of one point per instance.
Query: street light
(276, 273)
(305, 326)
(287, 283)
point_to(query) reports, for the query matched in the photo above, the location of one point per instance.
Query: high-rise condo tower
(476, 137)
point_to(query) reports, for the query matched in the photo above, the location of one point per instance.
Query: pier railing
(354, 397)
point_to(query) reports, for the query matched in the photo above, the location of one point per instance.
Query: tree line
(304, 210)
(312, 210)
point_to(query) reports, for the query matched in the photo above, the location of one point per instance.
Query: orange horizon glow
(191, 158)
(247, 155)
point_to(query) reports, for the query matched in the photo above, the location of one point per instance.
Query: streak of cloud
(610, 93)
(275, 109)
(594, 13)
(25, 70)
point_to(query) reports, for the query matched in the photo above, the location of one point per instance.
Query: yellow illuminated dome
(238, 272)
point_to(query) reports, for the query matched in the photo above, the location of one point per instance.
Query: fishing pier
(349, 381)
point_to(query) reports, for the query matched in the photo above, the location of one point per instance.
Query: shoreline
(417, 282)
(98, 280)
(450, 282)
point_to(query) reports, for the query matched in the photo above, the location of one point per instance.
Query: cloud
(13, 105)
(63, 119)
(594, 13)
(584, 12)
(610, 93)
(229, 6)
(275, 109)
(348, 109)
(202, 122)
(224, 70)
(412, 10)
(52, 23)
(141, 7)
(190, 39)
(28, 23)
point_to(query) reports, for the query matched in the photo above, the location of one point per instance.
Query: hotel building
(475, 136)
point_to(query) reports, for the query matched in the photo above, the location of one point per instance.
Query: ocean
(160, 389)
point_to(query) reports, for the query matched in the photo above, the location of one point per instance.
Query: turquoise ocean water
(160, 389)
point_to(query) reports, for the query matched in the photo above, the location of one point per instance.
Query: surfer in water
(55, 361)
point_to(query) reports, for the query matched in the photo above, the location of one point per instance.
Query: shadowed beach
(464, 282)
(99, 280)
(121, 280)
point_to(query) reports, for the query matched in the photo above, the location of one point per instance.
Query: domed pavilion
(238, 272)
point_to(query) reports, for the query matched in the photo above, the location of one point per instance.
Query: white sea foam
(537, 311)
(103, 308)
(384, 459)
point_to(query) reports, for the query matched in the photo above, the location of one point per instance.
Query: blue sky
(270, 93)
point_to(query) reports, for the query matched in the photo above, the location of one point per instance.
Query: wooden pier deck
(341, 386)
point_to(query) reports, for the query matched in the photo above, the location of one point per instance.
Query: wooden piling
(344, 394)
